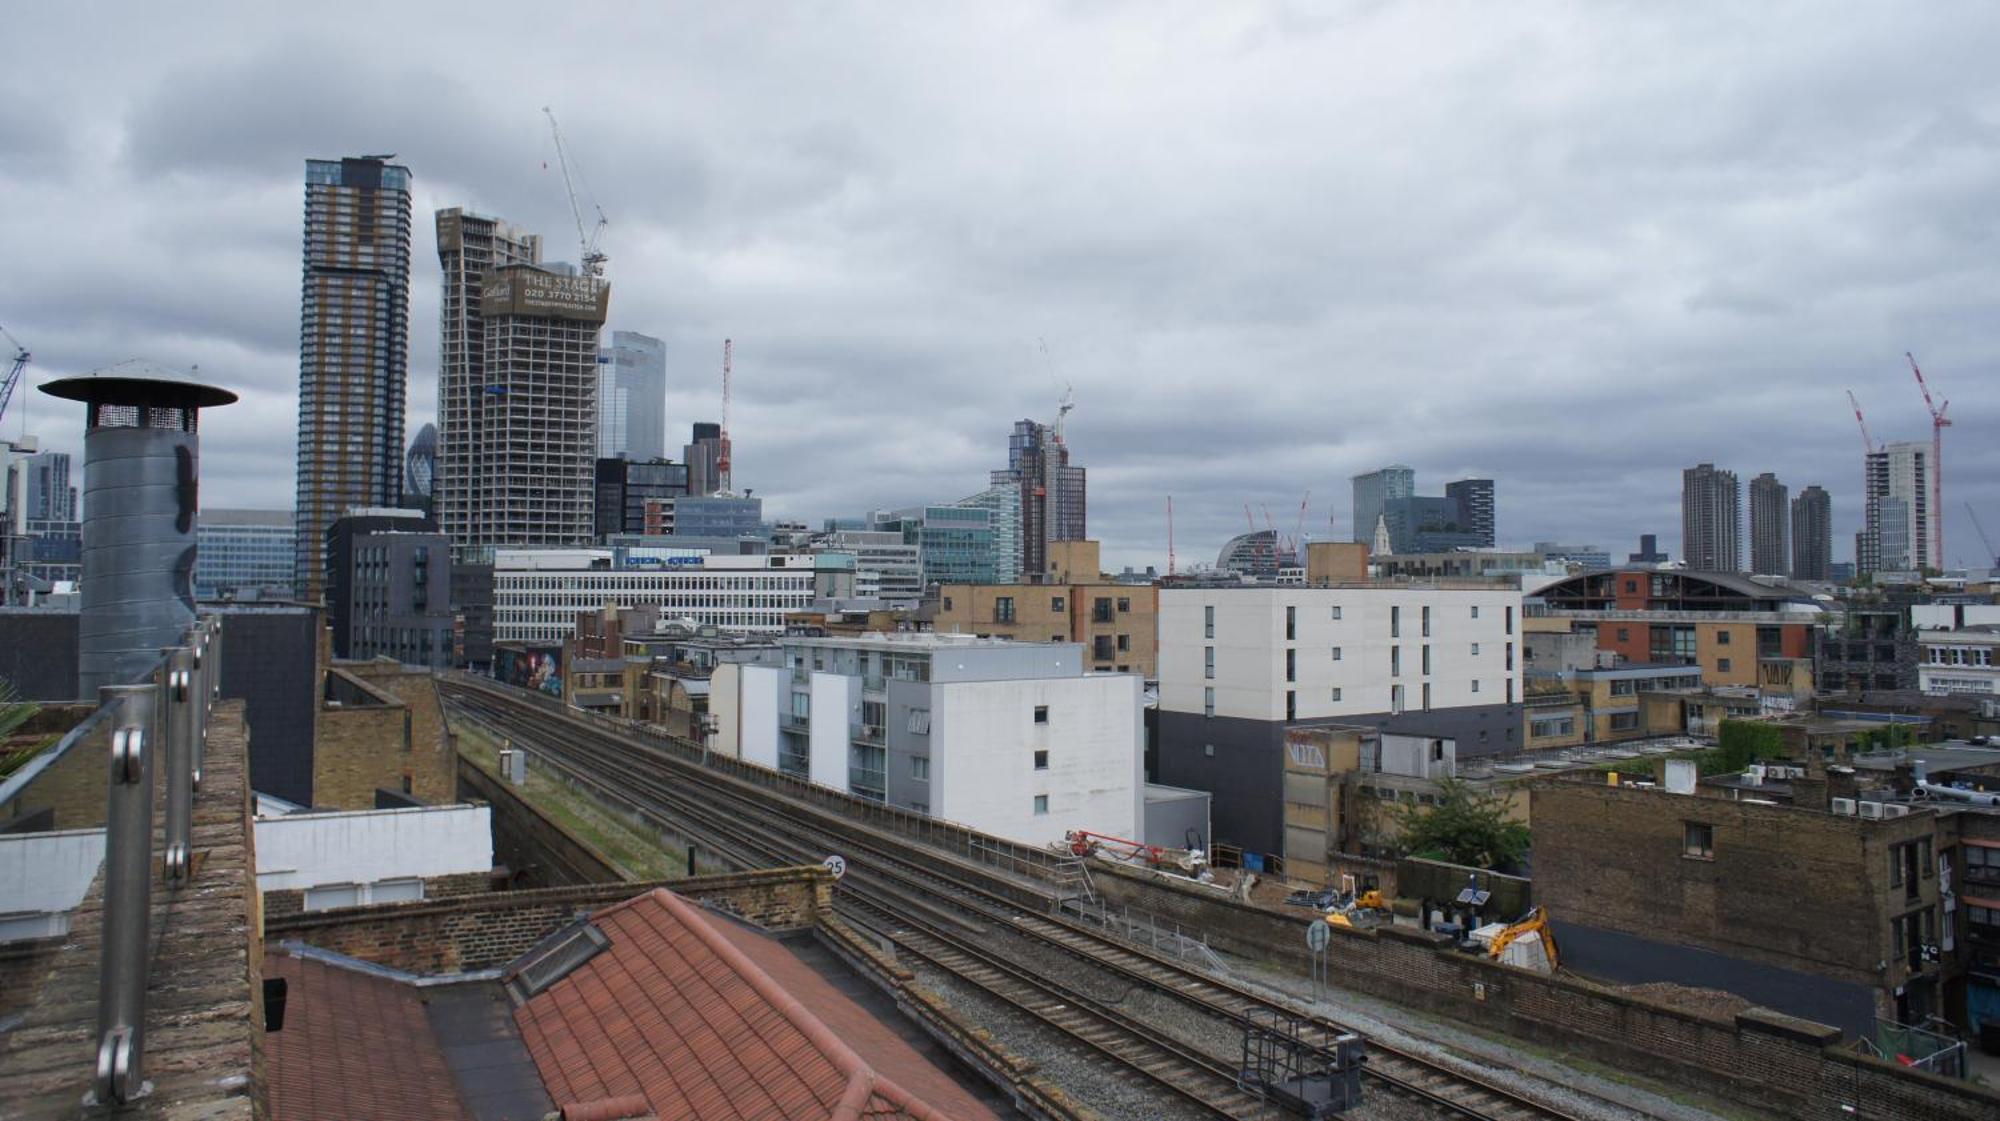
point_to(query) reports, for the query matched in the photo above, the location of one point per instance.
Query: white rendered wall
(363, 846)
(725, 692)
(836, 706)
(48, 871)
(763, 687)
(983, 742)
(1250, 647)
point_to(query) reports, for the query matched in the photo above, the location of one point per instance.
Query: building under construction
(1052, 492)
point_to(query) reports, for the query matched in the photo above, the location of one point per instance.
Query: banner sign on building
(526, 290)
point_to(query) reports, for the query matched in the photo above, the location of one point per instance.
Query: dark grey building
(1769, 534)
(704, 458)
(1812, 535)
(1475, 508)
(1054, 494)
(1649, 551)
(341, 611)
(624, 486)
(400, 584)
(1372, 493)
(472, 610)
(1711, 519)
(1431, 524)
(354, 343)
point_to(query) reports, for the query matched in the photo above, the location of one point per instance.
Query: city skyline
(884, 294)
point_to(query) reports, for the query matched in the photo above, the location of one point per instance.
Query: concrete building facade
(1896, 515)
(1711, 519)
(1770, 552)
(1812, 534)
(354, 344)
(538, 593)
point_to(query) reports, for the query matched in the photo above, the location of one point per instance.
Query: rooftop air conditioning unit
(1895, 809)
(1871, 810)
(1844, 807)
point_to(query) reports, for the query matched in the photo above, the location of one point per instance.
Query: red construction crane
(1939, 422)
(1867, 442)
(722, 453)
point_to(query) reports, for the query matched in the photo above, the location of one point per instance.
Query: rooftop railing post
(181, 724)
(128, 882)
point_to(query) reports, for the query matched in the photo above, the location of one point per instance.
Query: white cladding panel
(1360, 641)
(836, 707)
(984, 738)
(763, 688)
(305, 850)
(48, 871)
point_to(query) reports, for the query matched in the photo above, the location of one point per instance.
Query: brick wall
(1770, 1061)
(394, 732)
(485, 931)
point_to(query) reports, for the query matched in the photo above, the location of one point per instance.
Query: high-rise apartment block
(1896, 519)
(470, 246)
(1812, 535)
(1711, 519)
(632, 397)
(704, 458)
(51, 497)
(1052, 493)
(1769, 514)
(354, 342)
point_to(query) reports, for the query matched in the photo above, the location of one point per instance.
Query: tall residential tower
(469, 246)
(1768, 512)
(1896, 520)
(1053, 493)
(1812, 535)
(354, 342)
(1711, 519)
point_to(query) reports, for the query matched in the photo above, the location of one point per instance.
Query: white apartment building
(1960, 661)
(1015, 739)
(1439, 660)
(538, 593)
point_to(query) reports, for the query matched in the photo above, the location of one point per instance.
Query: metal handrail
(165, 717)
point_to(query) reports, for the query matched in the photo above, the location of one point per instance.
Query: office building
(538, 593)
(1770, 514)
(1053, 500)
(1003, 504)
(1649, 551)
(957, 544)
(1583, 556)
(244, 553)
(390, 597)
(632, 397)
(354, 343)
(704, 458)
(1239, 666)
(1253, 556)
(51, 496)
(1011, 738)
(1372, 493)
(420, 469)
(1812, 535)
(1711, 519)
(470, 246)
(1896, 517)
(625, 485)
(886, 566)
(717, 516)
(1474, 500)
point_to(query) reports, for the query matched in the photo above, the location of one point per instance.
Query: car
(1980, 741)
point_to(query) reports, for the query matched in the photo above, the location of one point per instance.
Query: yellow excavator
(1364, 909)
(1529, 942)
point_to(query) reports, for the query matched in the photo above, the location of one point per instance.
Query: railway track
(939, 907)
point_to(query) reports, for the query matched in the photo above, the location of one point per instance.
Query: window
(1291, 623)
(1208, 621)
(1208, 662)
(1041, 714)
(1336, 694)
(1208, 701)
(1336, 613)
(1427, 696)
(1100, 611)
(1624, 634)
(1003, 609)
(332, 895)
(1721, 637)
(1427, 622)
(1698, 840)
(1395, 661)
(920, 767)
(1722, 665)
(1510, 690)
(1291, 665)
(920, 722)
(1041, 760)
(1475, 685)
(1102, 648)
(1208, 749)
(1336, 653)
(1395, 698)
(1510, 657)
(1041, 804)
(1291, 705)
(1124, 604)
(1510, 620)
(1055, 603)
(1427, 658)
(1124, 643)
(1475, 649)
(1395, 622)
(1624, 721)
(404, 890)
(1475, 611)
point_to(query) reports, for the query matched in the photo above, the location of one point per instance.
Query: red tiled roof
(674, 1012)
(353, 1047)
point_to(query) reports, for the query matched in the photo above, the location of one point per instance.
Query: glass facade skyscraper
(354, 342)
(632, 397)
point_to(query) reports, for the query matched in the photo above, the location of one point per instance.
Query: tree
(1466, 826)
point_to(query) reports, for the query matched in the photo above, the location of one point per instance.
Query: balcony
(794, 722)
(871, 734)
(874, 683)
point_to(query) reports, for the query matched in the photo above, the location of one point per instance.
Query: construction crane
(1868, 443)
(591, 259)
(1981, 530)
(1299, 531)
(1939, 422)
(722, 451)
(1170, 535)
(13, 378)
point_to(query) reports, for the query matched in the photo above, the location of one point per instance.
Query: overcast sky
(1572, 247)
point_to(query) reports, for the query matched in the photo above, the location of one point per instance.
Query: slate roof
(676, 1013)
